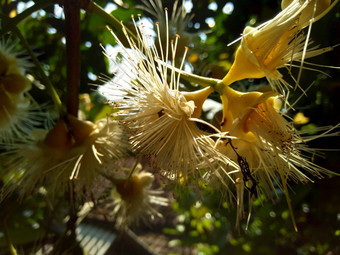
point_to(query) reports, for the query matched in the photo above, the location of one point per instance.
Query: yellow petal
(236, 104)
(199, 98)
(242, 68)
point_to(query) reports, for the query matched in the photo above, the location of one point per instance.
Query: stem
(92, 7)
(216, 84)
(11, 23)
(45, 79)
(72, 18)
(203, 81)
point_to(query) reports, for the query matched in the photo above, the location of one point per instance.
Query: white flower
(159, 116)
(42, 160)
(18, 115)
(13, 68)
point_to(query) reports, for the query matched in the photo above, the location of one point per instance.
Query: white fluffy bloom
(158, 116)
(95, 145)
(18, 116)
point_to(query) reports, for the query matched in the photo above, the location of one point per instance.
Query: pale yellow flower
(12, 70)
(18, 116)
(160, 118)
(277, 43)
(267, 147)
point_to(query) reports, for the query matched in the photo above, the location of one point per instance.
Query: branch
(72, 18)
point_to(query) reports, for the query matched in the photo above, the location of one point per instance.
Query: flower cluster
(256, 148)
(65, 159)
(253, 149)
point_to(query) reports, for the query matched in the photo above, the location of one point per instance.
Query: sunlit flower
(133, 199)
(276, 44)
(266, 146)
(158, 116)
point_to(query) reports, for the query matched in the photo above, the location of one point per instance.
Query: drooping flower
(277, 43)
(159, 117)
(134, 199)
